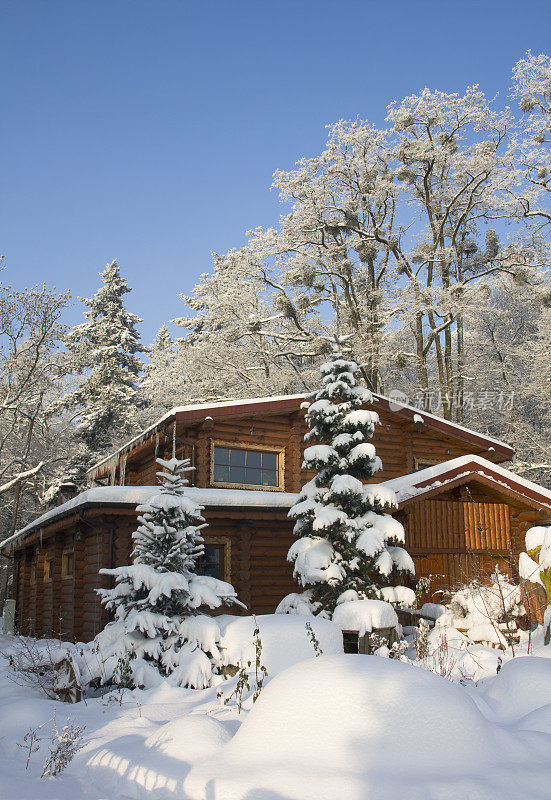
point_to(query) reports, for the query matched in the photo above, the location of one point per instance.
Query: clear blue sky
(148, 130)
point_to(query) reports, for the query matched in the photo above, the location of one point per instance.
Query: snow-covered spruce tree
(104, 350)
(347, 549)
(156, 599)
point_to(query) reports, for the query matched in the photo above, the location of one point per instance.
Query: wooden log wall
(67, 588)
(449, 525)
(257, 542)
(452, 538)
(397, 441)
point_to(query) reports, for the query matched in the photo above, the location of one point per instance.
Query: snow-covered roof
(198, 411)
(134, 495)
(446, 426)
(440, 475)
(406, 488)
(292, 402)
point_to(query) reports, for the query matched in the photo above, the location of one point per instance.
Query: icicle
(123, 470)
(112, 473)
(174, 440)
(156, 444)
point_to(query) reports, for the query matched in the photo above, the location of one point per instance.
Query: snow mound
(189, 738)
(529, 569)
(432, 610)
(537, 720)
(402, 596)
(353, 726)
(535, 537)
(284, 637)
(486, 632)
(522, 686)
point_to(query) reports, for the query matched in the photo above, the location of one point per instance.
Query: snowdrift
(355, 727)
(285, 639)
(329, 727)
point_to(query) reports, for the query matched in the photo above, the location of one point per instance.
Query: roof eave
(289, 404)
(468, 473)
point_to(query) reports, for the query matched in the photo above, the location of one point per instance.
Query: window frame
(428, 462)
(224, 542)
(64, 559)
(49, 566)
(280, 469)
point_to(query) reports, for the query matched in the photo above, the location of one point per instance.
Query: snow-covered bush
(535, 563)
(65, 744)
(348, 550)
(45, 665)
(488, 613)
(157, 599)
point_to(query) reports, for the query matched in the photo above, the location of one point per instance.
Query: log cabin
(463, 512)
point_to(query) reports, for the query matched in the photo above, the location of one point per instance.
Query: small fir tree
(104, 350)
(347, 548)
(156, 599)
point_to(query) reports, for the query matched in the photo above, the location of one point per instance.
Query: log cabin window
(216, 559)
(48, 569)
(247, 466)
(211, 562)
(423, 463)
(67, 564)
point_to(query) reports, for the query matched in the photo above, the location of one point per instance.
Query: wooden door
(457, 542)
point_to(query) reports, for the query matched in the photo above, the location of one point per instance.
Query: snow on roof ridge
(134, 495)
(407, 486)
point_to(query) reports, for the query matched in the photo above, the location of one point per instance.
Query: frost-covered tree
(237, 344)
(156, 599)
(532, 88)
(165, 383)
(347, 548)
(385, 229)
(33, 446)
(105, 353)
(507, 349)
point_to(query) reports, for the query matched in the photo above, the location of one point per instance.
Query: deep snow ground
(339, 726)
(129, 749)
